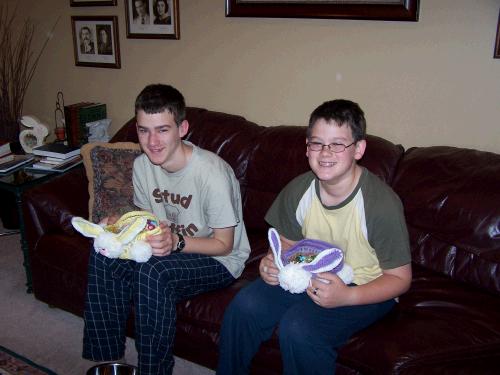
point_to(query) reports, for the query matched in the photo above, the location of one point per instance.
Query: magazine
(17, 161)
(57, 150)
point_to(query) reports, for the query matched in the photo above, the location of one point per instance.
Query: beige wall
(432, 82)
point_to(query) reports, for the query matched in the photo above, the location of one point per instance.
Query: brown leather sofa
(447, 323)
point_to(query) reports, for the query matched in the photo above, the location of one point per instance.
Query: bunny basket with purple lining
(305, 258)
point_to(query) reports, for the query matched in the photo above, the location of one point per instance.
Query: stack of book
(76, 117)
(56, 157)
(9, 161)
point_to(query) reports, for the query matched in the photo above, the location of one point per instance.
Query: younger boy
(342, 203)
(203, 244)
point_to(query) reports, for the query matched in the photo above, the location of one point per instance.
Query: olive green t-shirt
(369, 226)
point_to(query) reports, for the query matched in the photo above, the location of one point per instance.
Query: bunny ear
(85, 227)
(275, 243)
(130, 231)
(29, 121)
(325, 261)
(133, 215)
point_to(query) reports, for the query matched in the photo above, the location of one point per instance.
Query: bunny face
(304, 259)
(108, 245)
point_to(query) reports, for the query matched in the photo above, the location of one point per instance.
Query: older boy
(339, 202)
(203, 244)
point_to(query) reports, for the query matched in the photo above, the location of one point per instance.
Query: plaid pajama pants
(154, 288)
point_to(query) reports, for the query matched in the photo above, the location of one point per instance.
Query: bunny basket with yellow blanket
(125, 239)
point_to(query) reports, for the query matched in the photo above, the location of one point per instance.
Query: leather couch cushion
(438, 325)
(449, 195)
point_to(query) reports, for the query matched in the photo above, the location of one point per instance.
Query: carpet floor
(48, 336)
(13, 364)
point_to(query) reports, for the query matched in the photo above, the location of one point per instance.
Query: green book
(73, 123)
(87, 114)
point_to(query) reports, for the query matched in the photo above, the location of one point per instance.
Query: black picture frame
(153, 27)
(387, 10)
(102, 49)
(496, 52)
(92, 3)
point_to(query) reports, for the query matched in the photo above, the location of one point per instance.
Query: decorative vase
(60, 134)
(9, 131)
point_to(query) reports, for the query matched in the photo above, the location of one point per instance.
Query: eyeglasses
(333, 147)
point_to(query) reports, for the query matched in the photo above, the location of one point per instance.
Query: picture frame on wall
(496, 53)
(386, 10)
(152, 19)
(91, 3)
(95, 41)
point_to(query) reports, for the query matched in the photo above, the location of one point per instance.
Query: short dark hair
(156, 98)
(164, 2)
(85, 28)
(155, 8)
(343, 112)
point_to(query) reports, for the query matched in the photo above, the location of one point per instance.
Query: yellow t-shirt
(368, 226)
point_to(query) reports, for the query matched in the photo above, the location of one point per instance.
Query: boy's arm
(392, 283)
(220, 244)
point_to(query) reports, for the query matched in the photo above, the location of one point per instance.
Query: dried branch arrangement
(17, 66)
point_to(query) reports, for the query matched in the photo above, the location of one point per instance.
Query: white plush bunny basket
(125, 239)
(305, 258)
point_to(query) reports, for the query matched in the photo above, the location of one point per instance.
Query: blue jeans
(309, 335)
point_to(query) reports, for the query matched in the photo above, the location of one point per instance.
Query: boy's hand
(162, 244)
(328, 290)
(332, 292)
(109, 220)
(268, 270)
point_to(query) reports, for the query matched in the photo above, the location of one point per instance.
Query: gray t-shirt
(205, 194)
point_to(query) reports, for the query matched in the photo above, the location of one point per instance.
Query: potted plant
(17, 66)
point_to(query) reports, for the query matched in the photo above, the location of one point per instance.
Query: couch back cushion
(451, 198)
(234, 139)
(229, 136)
(265, 159)
(127, 133)
(280, 155)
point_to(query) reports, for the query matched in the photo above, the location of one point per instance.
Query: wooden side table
(17, 182)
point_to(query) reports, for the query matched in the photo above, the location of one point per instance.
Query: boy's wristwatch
(180, 244)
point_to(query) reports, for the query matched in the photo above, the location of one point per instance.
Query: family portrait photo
(95, 40)
(152, 19)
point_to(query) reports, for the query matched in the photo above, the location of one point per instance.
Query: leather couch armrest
(50, 206)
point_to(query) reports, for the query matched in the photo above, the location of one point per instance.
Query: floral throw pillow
(109, 170)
